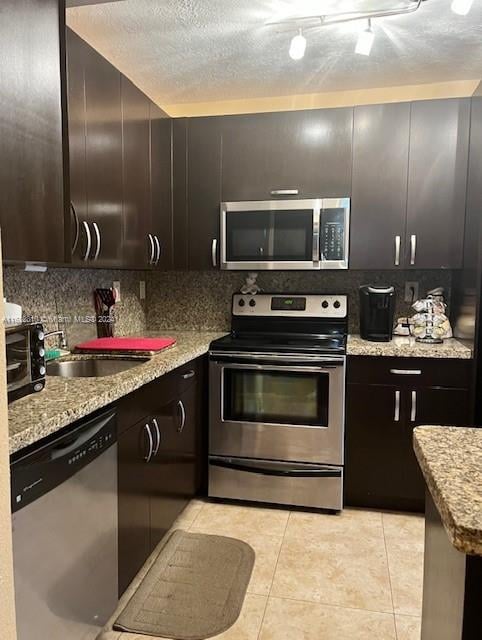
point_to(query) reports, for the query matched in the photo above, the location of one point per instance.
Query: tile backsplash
(184, 300)
(63, 298)
(202, 299)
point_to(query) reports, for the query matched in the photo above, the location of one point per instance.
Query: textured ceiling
(185, 51)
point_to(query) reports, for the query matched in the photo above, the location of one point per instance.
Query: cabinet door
(134, 502)
(103, 159)
(32, 205)
(160, 183)
(203, 191)
(76, 52)
(379, 461)
(305, 151)
(136, 140)
(439, 137)
(379, 187)
(174, 466)
(439, 406)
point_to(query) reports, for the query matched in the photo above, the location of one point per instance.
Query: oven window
(276, 397)
(262, 236)
(18, 361)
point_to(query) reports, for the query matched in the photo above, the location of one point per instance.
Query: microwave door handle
(316, 235)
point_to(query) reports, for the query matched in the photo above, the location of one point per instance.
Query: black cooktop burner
(281, 344)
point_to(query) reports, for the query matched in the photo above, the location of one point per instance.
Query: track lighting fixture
(461, 7)
(365, 40)
(298, 46)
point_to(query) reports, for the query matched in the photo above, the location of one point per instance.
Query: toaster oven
(25, 360)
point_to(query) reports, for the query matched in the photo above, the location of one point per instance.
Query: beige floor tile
(248, 624)
(404, 537)
(334, 573)
(292, 620)
(189, 515)
(267, 550)
(351, 526)
(228, 519)
(408, 627)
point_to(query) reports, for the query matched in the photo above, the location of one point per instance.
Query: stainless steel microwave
(285, 234)
(25, 360)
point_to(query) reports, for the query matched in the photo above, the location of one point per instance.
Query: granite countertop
(65, 400)
(451, 462)
(406, 347)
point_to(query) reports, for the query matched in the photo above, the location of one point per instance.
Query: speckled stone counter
(451, 462)
(401, 347)
(65, 400)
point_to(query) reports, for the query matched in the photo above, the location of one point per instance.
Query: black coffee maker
(377, 309)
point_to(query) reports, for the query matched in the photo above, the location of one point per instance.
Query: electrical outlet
(117, 289)
(142, 290)
(411, 292)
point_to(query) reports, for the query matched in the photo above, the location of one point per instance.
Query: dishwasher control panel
(46, 466)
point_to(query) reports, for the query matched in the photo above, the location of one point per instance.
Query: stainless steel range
(277, 401)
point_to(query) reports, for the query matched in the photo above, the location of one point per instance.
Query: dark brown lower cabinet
(159, 462)
(386, 399)
(134, 488)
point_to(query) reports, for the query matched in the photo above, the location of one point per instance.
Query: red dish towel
(126, 344)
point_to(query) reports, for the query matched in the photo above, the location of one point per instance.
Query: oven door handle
(233, 356)
(276, 469)
(277, 367)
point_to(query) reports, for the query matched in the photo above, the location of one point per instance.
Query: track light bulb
(461, 7)
(298, 46)
(365, 40)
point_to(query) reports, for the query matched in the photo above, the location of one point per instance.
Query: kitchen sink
(92, 367)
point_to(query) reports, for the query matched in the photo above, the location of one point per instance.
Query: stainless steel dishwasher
(64, 503)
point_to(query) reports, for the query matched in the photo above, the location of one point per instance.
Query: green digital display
(288, 304)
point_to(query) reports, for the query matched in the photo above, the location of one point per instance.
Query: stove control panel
(284, 305)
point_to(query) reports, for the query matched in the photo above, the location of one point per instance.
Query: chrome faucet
(61, 333)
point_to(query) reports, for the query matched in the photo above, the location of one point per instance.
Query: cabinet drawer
(436, 372)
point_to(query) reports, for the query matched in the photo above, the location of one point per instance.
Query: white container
(12, 313)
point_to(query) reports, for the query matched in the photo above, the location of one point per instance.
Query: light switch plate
(142, 290)
(116, 286)
(411, 292)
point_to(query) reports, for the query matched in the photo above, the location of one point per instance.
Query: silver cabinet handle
(151, 247)
(413, 249)
(158, 434)
(406, 372)
(189, 374)
(284, 192)
(158, 247)
(89, 240)
(396, 415)
(97, 236)
(148, 457)
(413, 412)
(214, 249)
(77, 228)
(397, 251)
(182, 409)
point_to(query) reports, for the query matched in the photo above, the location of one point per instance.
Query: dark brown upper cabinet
(379, 188)
(437, 182)
(305, 152)
(138, 249)
(203, 191)
(409, 185)
(95, 141)
(32, 203)
(160, 172)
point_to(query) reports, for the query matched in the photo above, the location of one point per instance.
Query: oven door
(278, 409)
(279, 234)
(18, 359)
